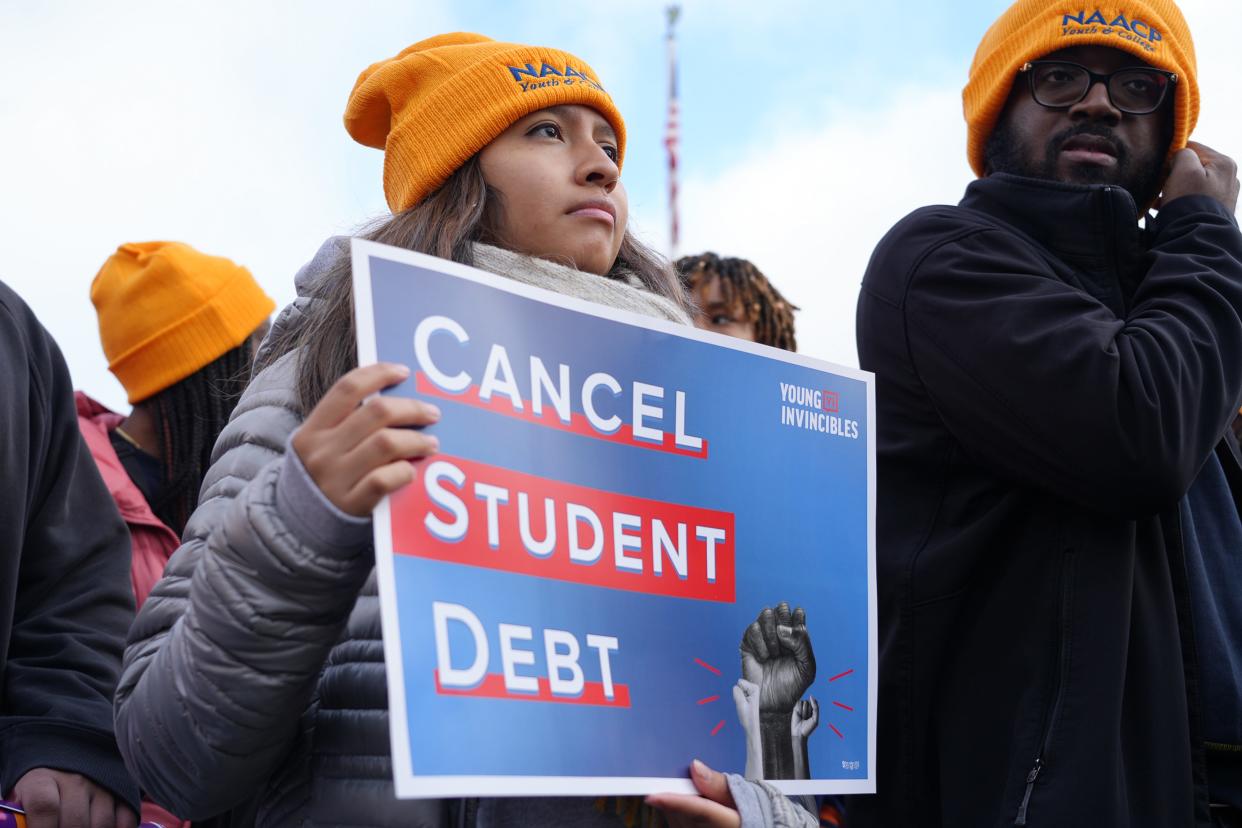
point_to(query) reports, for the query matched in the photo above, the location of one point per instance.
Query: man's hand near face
(1200, 170)
(56, 799)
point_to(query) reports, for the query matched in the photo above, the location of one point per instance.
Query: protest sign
(626, 517)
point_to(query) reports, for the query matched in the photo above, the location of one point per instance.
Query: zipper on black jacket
(1062, 669)
(1030, 786)
(1114, 256)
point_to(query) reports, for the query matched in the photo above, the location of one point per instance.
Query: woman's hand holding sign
(714, 806)
(357, 449)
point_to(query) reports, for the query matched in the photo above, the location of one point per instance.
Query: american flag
(671, 134)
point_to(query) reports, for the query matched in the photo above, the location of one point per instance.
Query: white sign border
(408, 785)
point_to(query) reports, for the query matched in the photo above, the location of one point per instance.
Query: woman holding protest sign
(254, 681)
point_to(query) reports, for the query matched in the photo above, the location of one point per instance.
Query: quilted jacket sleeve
(225, 655)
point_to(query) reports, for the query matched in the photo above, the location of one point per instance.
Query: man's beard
(1006, 152)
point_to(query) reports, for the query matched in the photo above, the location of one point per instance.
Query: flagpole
(672, 134)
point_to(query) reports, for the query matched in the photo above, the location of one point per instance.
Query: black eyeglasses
(1135, 90)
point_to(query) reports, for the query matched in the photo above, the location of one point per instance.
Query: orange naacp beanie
(443, 99)
(167, 310)
(1153, 30)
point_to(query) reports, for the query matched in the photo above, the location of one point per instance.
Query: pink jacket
(153, 542)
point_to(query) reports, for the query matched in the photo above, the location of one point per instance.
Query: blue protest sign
(639, 544)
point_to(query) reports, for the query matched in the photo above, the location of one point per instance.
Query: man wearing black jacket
(1053, 379)
(65, 596)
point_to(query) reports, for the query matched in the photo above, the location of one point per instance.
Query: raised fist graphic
(746, 697)
(777, 658)
(802, 725)
(805, 717)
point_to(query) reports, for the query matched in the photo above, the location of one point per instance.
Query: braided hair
(189, 416)
(744, 285)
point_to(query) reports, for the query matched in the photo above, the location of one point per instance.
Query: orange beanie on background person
(179, 329)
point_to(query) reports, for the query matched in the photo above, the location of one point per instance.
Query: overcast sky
(808, 129)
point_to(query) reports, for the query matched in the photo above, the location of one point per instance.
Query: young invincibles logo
(815, 409)
(1118, 25)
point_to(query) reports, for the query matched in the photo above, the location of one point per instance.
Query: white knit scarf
(626, 293)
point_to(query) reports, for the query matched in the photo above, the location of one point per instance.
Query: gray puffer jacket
(255, 671)
(254, 675)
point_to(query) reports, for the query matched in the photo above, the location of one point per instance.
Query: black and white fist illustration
(778, 659)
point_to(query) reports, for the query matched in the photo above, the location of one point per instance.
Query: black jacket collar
(1091, 228)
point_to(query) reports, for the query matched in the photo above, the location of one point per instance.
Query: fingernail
(435, 442)
(433, 411)
(404, 370)
(698, 768)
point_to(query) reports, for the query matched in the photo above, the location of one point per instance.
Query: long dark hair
(189, 416)
(445, 224)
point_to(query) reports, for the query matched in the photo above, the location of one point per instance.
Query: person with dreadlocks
(179, 329)
(735, 298)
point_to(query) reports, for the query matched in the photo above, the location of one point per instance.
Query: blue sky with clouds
(808, 128)
(748, 70)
